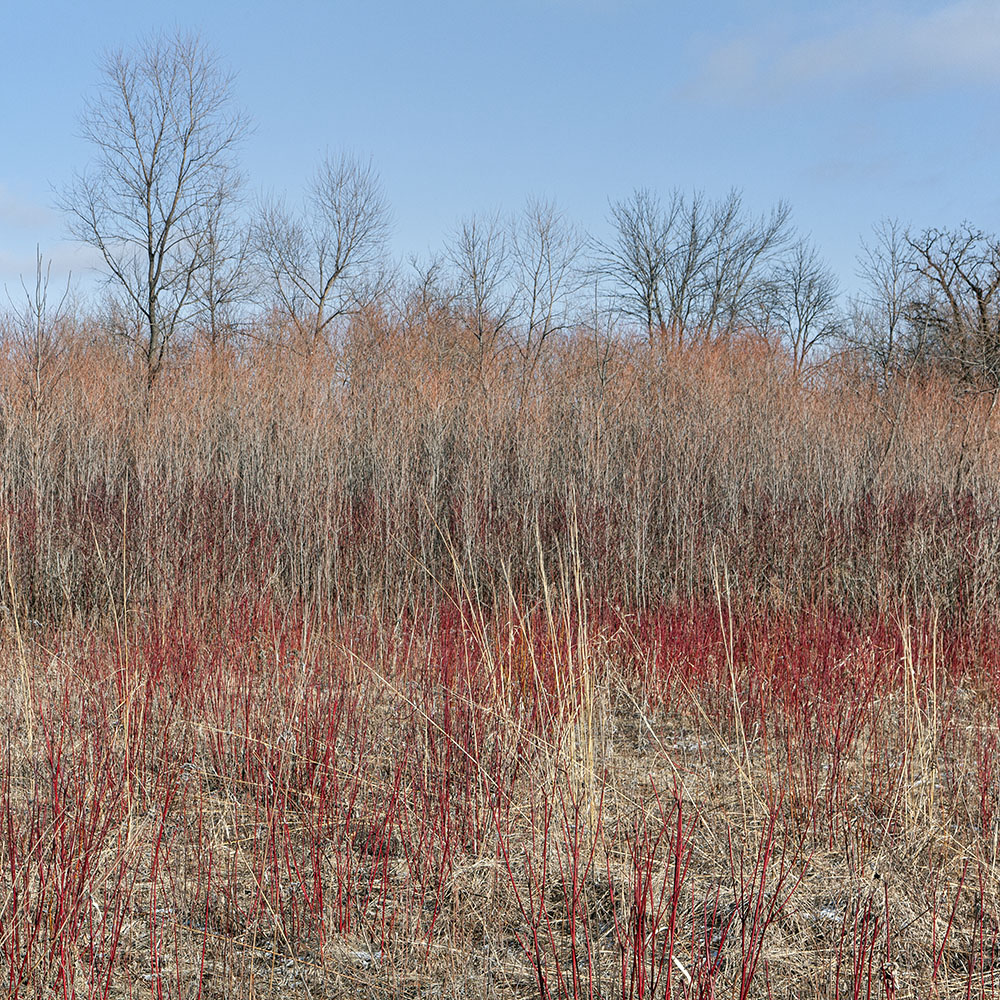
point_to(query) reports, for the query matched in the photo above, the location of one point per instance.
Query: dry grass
(388, 671)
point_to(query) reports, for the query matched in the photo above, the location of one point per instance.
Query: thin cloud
(957, 44)
(20, 213)
(61, 260)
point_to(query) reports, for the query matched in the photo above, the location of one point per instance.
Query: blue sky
(851, 113)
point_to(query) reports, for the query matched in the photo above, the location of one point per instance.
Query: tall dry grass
(359, 477)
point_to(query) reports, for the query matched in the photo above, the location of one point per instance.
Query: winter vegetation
(557, 617)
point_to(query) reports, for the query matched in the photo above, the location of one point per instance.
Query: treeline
(265, 400)
(187, 249)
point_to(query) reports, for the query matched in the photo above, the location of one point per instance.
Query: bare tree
(480, 253)
(698, 223)
(958, 304)
(224, 284)
(545, 250)
(878, 320)
(428, 293)
(688, 269)
(38, 348)
(658, 258)
(638, 258)
(165, 134)
(740, 248)
(331, 261)
(798, 302)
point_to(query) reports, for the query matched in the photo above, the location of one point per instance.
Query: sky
(850, 111)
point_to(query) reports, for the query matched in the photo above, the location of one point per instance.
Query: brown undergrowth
(371, 673)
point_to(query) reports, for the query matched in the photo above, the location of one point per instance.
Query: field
(400, 671)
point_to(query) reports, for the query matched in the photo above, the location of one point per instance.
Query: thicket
(400, 464)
